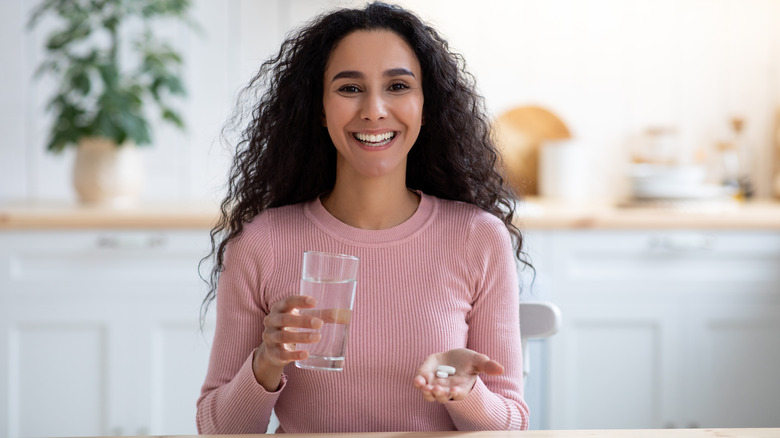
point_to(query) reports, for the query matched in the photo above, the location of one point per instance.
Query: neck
(371, 206)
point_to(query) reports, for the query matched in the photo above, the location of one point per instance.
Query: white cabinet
(99, 332)
(664, 329)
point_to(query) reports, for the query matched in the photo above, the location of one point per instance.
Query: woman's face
(372, 103)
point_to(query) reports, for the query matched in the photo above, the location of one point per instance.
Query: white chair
(537, 320)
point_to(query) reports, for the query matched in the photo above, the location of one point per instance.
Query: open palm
(467, 363)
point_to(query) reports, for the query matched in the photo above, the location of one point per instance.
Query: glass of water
(330, 279)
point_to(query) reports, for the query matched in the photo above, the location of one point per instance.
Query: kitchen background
(610, 69)
(669, 319)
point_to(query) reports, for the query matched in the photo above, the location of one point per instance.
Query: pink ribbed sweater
(443, 279)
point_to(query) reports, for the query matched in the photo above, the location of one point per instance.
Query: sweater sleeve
(231, 400)
(495, 402)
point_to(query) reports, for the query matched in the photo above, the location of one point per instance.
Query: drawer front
(101, 262)
(652, 259)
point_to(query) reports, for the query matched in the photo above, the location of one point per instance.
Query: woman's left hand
(467, 364)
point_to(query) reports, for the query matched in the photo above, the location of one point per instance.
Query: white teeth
(381, 138)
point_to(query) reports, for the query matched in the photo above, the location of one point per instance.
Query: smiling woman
(368, 140)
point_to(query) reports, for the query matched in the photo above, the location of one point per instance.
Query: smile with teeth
(374, 140)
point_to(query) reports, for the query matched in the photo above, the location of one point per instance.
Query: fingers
(279, 355)
(291, 337)
(441, 390)
(285, 327)
(445, 394)
(284, 314)
(291, 320)
(333, 316)
(293, 302)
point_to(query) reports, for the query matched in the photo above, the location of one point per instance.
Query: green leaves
(164, 7)
(160, 63)
(75, 32)
(97, 95)
(120, 117)
(173, 117)
(109, 72)
(65, 129)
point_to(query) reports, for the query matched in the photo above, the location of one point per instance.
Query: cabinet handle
(131, 242)
(683, 242)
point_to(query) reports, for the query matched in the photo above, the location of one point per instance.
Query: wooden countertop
(629, 433)
(533, 214)
(547, 214)
(38, 216)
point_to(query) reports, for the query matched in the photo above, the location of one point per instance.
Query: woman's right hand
(280, 337)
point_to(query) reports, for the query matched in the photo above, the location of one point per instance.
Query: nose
(373, 107)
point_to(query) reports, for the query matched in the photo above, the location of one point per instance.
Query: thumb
(484, 364)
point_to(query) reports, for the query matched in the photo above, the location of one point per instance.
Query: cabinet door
(178, 359)
(614, 364)
(100, 332)
(58, 379)
(732, 376)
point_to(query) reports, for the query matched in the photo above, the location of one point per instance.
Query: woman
(368, 140)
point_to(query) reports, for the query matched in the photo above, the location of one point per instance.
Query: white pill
(446, 369)
(442, 374)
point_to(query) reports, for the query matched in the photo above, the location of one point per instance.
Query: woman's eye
(398, 87)
(349, 89)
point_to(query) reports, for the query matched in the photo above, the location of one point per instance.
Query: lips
(374, 140)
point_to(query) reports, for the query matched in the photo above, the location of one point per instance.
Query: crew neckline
(316, 212)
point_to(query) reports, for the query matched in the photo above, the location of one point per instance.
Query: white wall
(608, 68)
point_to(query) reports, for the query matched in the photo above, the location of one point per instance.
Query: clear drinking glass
(330, 279)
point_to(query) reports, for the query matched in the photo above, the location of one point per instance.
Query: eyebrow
(352, 74)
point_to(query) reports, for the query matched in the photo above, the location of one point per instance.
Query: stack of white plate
(674, 182)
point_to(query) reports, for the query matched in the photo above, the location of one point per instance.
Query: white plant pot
(106, 174)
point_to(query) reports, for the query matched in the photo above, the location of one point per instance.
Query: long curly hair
(285, 156)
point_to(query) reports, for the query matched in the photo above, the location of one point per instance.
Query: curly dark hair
(285, 156)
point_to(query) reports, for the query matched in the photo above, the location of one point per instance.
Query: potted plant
(112, 78)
